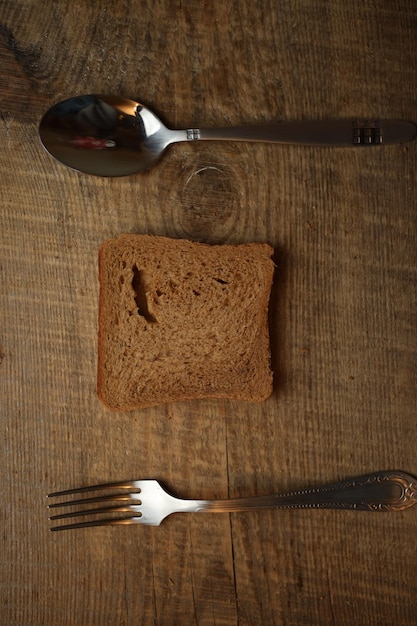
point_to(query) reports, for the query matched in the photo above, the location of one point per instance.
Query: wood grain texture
(343, 313)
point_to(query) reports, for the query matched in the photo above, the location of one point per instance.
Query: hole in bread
(141, 299)
(221, 281)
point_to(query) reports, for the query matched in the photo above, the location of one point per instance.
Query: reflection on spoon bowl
(104, 135)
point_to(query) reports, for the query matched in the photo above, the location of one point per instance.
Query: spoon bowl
(104, 135)
(108, 135)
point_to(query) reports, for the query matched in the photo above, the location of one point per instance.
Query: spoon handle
(358, 132)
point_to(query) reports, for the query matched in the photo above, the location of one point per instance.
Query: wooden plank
(343, 326)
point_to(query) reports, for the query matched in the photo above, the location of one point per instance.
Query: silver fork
(147, 502)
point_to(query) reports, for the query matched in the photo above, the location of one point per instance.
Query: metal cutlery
(147, 502)
(108, 135)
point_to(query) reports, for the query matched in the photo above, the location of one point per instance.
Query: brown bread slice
(181, 320)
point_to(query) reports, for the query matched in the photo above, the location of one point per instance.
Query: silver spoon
(109, 135)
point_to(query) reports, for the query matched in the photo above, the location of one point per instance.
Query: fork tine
(128, 505)
(101, 522)
(107, 498)
(96, 511)
(120, 504)
(122, 485)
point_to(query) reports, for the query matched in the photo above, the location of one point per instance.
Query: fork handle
(357, 132)
(379, 491)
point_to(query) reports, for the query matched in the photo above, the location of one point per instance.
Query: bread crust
(180, 320)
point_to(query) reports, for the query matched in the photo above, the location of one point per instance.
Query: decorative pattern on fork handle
(407, 498)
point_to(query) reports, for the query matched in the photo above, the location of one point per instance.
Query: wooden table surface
(343, 222)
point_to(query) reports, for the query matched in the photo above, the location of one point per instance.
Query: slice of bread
(180, 320)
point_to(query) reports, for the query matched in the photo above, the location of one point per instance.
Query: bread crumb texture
(180, 320)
